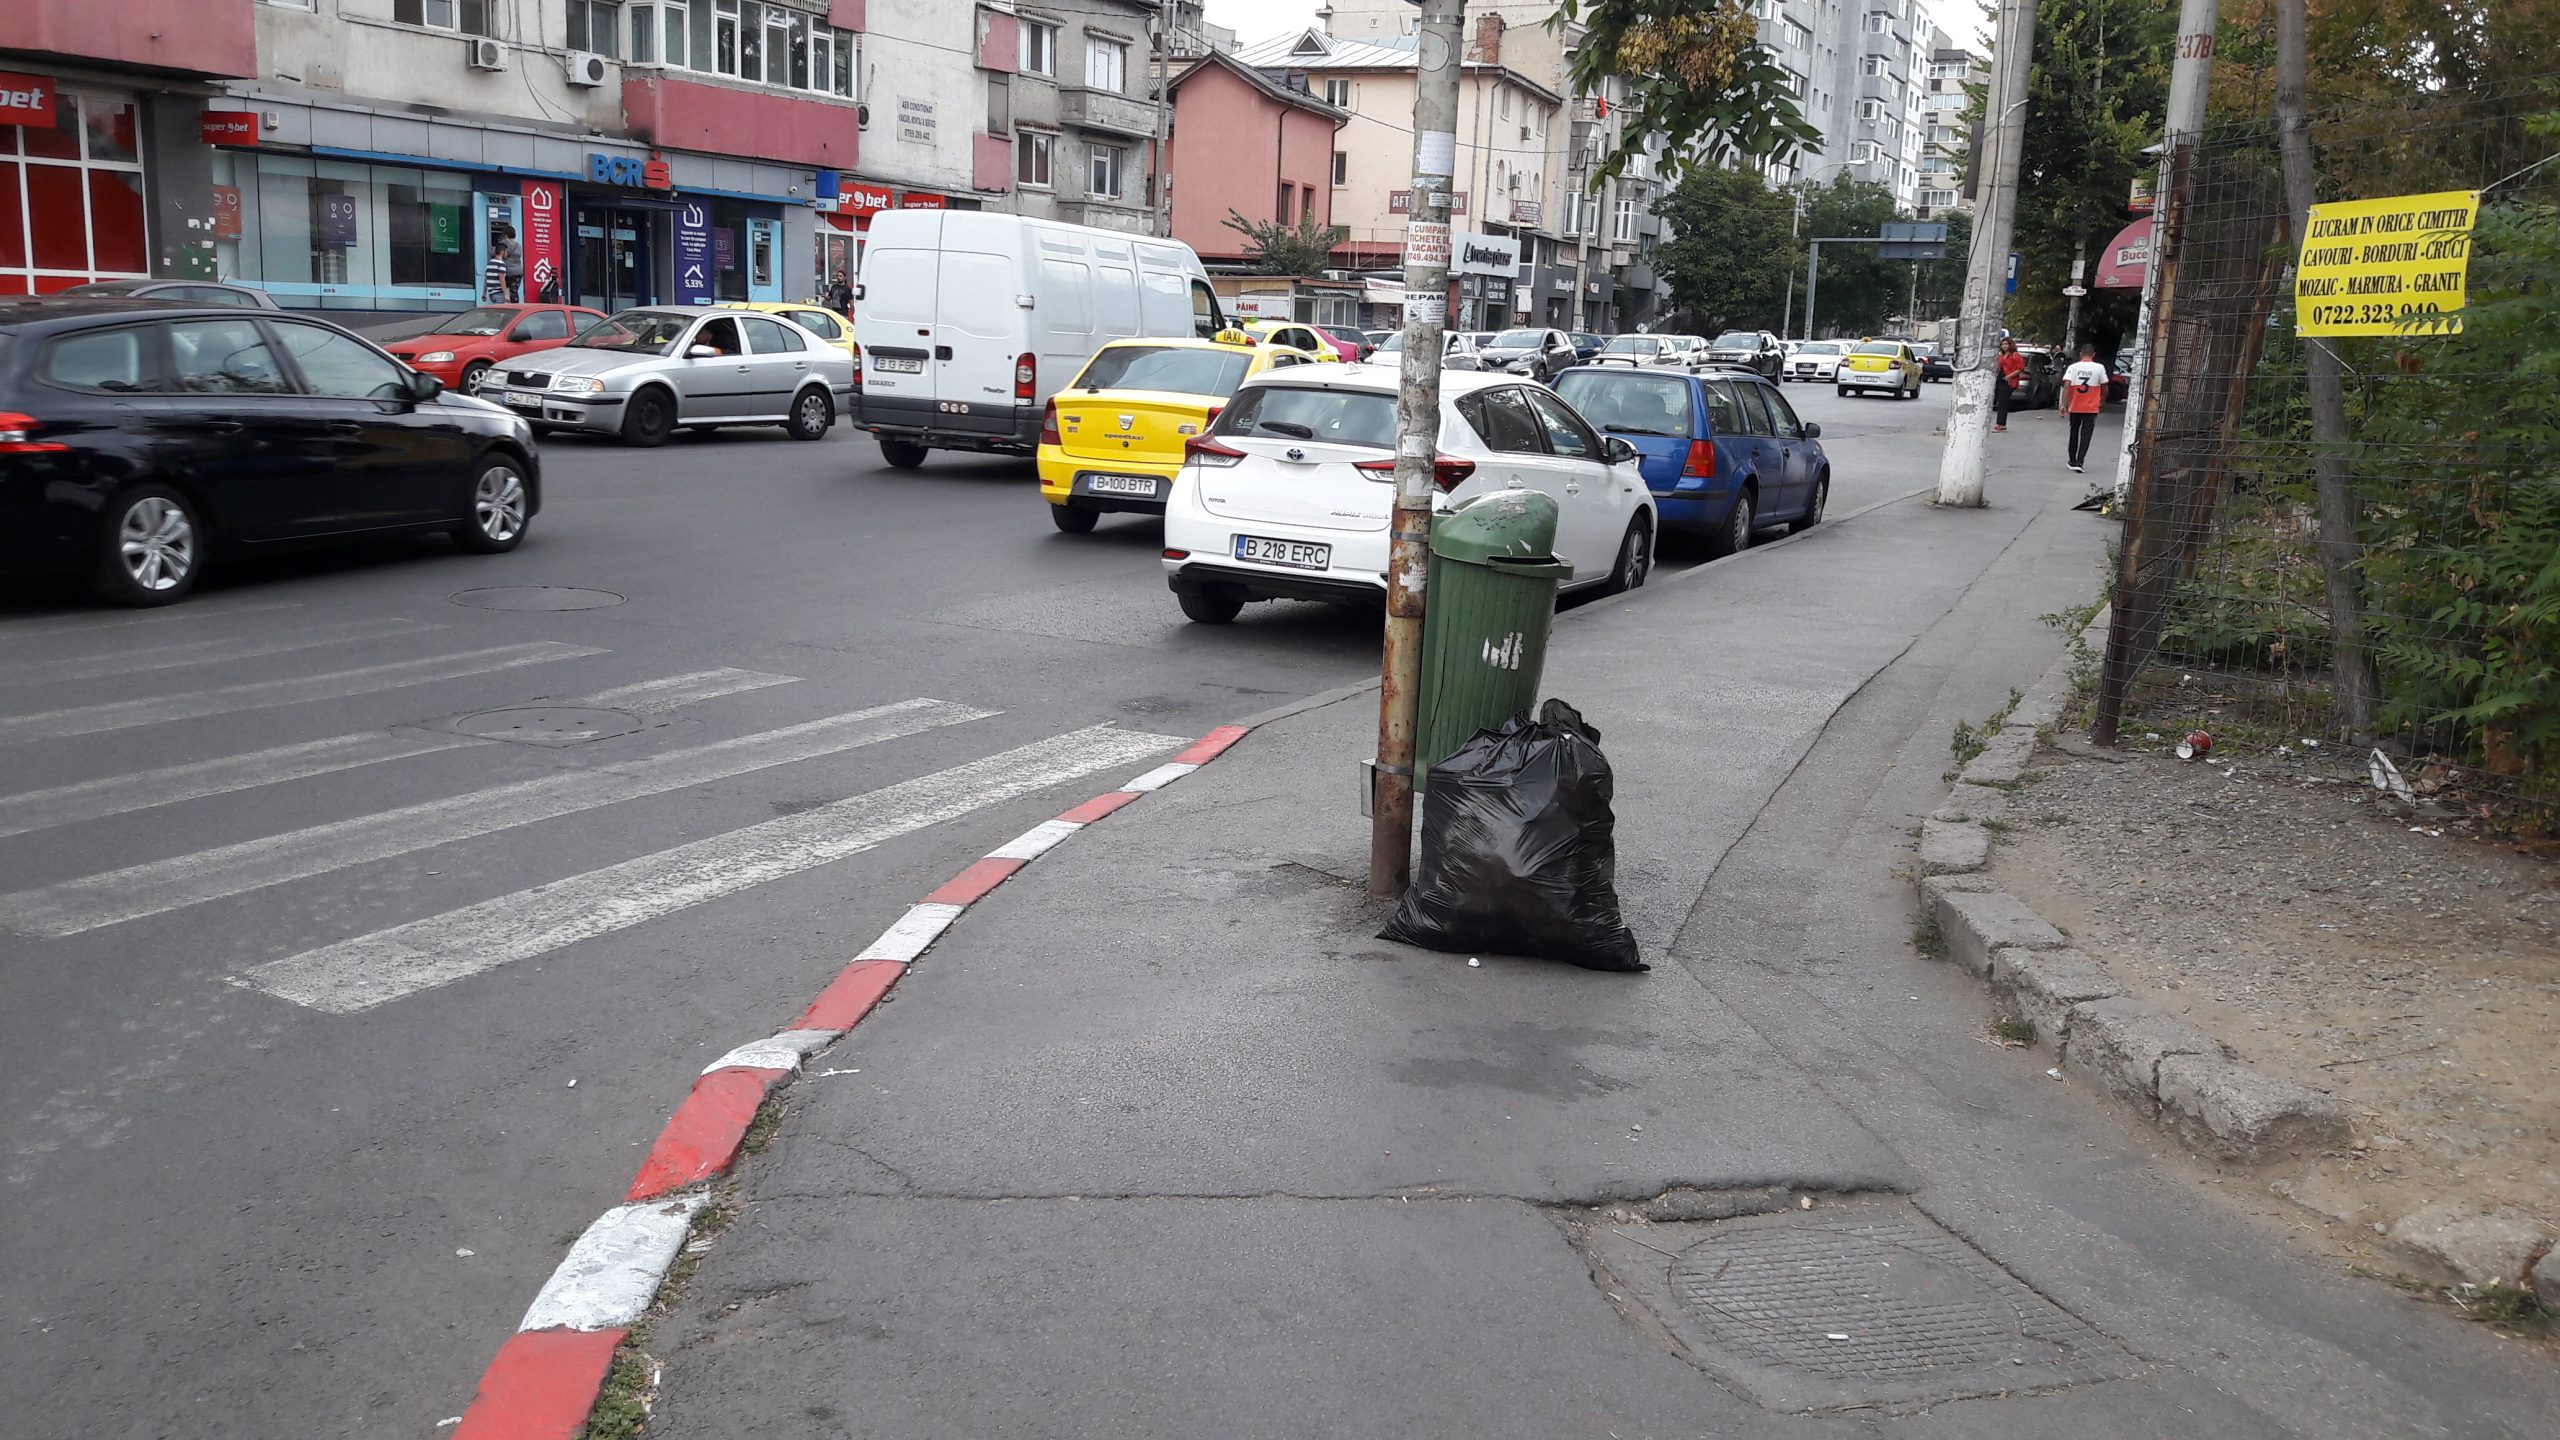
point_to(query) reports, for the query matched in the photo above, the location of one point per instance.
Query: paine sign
(2394, 266)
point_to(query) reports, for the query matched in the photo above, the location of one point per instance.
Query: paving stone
(2043, 985)
(1947, 848)
(1975, 923)
(1978, 804)
(2118, 1045)
(2226, 1109)
(2004, 759)
(2546, 1280)
(2485, 1249)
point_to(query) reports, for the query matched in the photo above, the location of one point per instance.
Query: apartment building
(1858, 69)
(1070, 83)
(1945, 140)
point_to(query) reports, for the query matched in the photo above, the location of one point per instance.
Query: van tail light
(1203, 450)
(1049, 424)
(1701, 464)
(17, 435)
(856, 353)
(1026, 377)
(1447, 472)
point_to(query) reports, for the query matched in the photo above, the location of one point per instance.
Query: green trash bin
(1488, 605)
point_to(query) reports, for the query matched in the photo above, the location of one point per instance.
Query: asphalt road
(332, 1014)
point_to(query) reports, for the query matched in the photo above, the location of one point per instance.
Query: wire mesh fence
(2421, 615)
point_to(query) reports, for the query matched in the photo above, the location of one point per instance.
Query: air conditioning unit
(586, 68)
(485, 54)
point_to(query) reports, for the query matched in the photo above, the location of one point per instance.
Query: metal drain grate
(547, 725)
(535, 597)
(1859, 1304)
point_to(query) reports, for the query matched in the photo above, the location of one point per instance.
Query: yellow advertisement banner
(2395, 266)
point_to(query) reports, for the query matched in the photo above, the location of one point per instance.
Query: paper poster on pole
(1437, 154)
(2400, 265)
(1426, 243)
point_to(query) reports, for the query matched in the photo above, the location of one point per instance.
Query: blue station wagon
(1723, 453)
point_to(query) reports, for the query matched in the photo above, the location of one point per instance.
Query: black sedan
(1935, 364)
(138, 440)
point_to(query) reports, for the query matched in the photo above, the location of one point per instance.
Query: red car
(462, 351)
(1353, 345)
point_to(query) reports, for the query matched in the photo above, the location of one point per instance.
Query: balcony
(1106, 110)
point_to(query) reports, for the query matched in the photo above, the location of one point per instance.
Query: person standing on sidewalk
(2012, 368)
(496, 284)
(2084, 389)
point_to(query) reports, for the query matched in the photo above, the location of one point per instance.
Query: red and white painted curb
(547, 1376)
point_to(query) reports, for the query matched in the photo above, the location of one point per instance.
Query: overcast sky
(1261, 19)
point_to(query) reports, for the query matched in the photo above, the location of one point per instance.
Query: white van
(969, 322)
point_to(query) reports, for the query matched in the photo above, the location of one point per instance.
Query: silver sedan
(642, 373)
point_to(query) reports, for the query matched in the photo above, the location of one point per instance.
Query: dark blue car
(1724, 453)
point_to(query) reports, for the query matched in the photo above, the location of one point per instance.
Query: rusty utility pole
(1440, 51)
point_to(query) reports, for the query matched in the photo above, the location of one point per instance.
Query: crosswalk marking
(368, 970)
(89, 624)
(143, 789)
(159, 886)
(270, 694)
(657, 697)
(206, 652)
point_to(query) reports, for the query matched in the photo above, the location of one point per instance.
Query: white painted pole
(1987, 274)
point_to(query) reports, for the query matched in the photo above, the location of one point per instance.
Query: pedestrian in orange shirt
(2004, 382)
(2084, 389)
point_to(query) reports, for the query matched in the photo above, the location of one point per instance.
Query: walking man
(2005, 376)
(2084, 389)
(839, 296)
(495, 276)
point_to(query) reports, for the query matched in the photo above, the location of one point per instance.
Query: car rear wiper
(1290, 428)
(1640, 430)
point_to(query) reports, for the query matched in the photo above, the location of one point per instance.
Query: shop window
(1106, 65)
(1031, 155)
(426, 231)
(471, 17)
(596, 25)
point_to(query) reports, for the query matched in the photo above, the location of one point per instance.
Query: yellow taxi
(1887, 365)
(1112, 439)
(1294, 335)
(817, 319)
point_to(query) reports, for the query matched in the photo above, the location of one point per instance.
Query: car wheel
(901, 454)
(150, 548)
(474, 375)
(649, 418)
(1073, 520)
(1635, 559)
(812, 415)
(1734, 536)
(1216, 605)
(1812, 515)
(499, 508)
(1844, 391)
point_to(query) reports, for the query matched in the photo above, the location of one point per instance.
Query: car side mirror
(1617, 451)
(424, 387)
(1813, 429)
(702, 352)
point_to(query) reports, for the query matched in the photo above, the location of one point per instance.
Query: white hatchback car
(1288, 494)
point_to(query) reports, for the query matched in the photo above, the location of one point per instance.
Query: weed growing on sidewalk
(1971, 740)
(2508, 1307)
(1926, 937)
(2074, 623)
(2012, 1032)
(761, 1130)
(622, 1407)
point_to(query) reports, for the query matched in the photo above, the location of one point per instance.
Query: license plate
(1296, 554)
(896, 365)
(1121, 485)
(524, 402)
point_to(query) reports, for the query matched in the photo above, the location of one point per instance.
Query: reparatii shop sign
(2400, 265)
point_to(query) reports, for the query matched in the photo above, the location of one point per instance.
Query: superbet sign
(864, 200)
(26, 100)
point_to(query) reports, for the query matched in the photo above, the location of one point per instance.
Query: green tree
(1305, 248)
(1731, 256)
(1856, 287)
(1692, 72)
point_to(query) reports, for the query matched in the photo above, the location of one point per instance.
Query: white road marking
(611, 1275)
(159, 886)
(270, 694)
(87, 624)
(207, 652)
(1037, 841)
(1159, 777)
(143, 789)
(369, 970)
(775, 1052)
(657, 697)
(913, 934)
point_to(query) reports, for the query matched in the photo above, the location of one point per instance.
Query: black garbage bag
(1518, 849)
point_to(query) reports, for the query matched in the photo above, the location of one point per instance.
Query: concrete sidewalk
(1160, 1142)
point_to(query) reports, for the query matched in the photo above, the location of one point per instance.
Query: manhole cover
(552, 725)
(1862, 1304)
(536, 597)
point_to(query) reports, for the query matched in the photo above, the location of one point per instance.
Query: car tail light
(1202, 450)
(1049, 424)
(17, 434)
(1447, 472)
(1026, 377)
(1701, 464)
(857, 367)
(1177, 554)
(1214, 412)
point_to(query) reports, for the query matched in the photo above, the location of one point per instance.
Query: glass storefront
(71, 199)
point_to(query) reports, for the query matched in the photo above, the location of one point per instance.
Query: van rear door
(894, 321)
(974, 333)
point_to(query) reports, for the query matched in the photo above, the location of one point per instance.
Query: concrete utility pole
(1987, 275)
(1439, 51)
(2079, 286)
(2190, 71)
(1160, 60)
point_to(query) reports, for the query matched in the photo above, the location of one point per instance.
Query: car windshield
(1632, 345)
(636, 332)
(1366, 418)
(1819, 347)
(1176, 368)
(487, 320)
(1628, 402)
(1738, 340)
(1879, 347)
(1520, 339)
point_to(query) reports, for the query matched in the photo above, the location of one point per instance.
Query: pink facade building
(1248, 144)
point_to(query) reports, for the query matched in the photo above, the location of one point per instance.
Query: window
(1879, 23)
(426, 228)
(1502, 101)
(1623, 231)
(1937, 198)
(1566, 434)
(1031, 150)
(748, 40)
(222, 357)
(1793, 81)
(1503, 420)
(341, 368)
(1108, 163)
(770, 337)
(471, 17)
(1337, 93)
(819, 323)
(1870, 110)
(1746, 407)
(543, 325)
(1871, 65)
(1106, 65)
(1863, 152)
(1781, 414)
(1039, 48)
(1797, 36)
(1341, 167)
(110, 360)
(596, 25)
